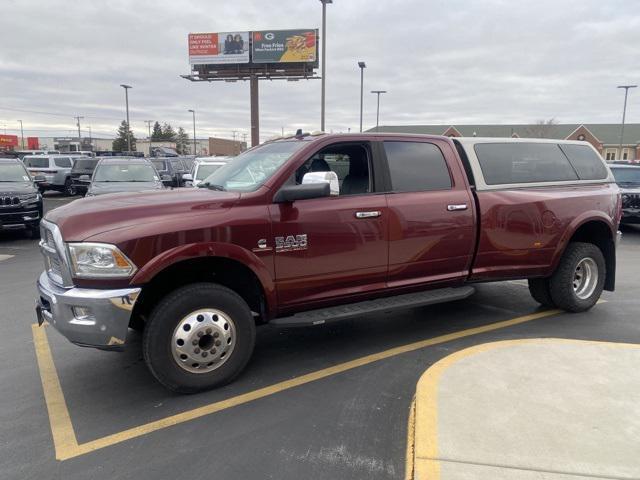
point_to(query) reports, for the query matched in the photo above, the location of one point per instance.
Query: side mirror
(39, 178)
(187, 177)
(84, 178)
(323, 177)
(291, 193)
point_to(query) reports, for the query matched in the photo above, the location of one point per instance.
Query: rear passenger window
(63, 162)
(507, 163)
(38, 163)
(585, 161)
(416, 167)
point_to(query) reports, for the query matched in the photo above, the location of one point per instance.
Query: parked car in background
(628, 179)
(56, 170)
(113, 175)
(20, 200)
(188, 161)
(171, 167)
(81, 173)
(202, 168)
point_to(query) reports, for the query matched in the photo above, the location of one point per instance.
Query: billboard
(284, 46)
(218, 48)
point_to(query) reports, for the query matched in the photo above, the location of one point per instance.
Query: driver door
(332, 246)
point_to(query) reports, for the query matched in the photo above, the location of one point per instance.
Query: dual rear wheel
(577, 283)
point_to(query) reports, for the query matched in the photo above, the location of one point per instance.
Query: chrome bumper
(104, 321)
(618, 238)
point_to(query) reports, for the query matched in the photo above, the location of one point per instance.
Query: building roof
(607, 133)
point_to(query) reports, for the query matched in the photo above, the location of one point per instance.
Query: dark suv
(628, 179)
(81, 168)
(20, 201)
(172, 167)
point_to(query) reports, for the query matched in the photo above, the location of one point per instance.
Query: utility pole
(378, 92)
(324, 61)
(90, 138)
(362, 66)
(21, 135)
(79, 135)
(149, 122)
(234, 135)
(624, 112)
(126, 99)
(194, 131)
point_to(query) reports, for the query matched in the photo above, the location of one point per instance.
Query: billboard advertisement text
(218, 48)
(284, 46)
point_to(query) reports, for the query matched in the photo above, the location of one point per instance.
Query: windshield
(251, 169)
(125, 173)
(13, 172)
(204, 171)
(626, 175)
(85, 164)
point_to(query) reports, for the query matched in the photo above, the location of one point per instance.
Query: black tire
(540, 291)
(561, 282)
(69, 188)
(157, 342)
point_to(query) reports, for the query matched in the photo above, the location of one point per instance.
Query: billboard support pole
(255, 114)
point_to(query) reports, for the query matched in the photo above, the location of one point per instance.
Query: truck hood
(91, 216)
(16, 188)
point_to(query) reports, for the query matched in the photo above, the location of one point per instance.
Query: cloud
(455, 61)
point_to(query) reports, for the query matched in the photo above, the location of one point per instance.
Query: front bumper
(106, 325)
(630, 215)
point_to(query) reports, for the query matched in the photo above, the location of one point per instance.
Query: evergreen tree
(168, 133)
(156, 134)
(120, 143)
(182, 142)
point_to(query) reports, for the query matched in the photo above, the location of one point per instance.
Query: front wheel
(199, 337)
(577, 283)
(69, 188)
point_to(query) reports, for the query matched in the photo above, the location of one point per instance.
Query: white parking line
(6, 257)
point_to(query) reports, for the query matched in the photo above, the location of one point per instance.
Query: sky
(449, 62)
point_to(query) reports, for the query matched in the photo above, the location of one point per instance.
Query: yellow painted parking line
(5, 257)
(425, 463)
(66, 445)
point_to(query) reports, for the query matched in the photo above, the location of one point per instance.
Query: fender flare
(572, 228)
(210, 249)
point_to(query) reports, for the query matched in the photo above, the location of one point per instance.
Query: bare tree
(542, 128)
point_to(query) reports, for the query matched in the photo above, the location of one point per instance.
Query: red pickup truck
(318, 228)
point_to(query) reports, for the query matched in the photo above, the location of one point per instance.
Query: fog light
(83, 313)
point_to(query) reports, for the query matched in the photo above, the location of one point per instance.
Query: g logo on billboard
(269, 36)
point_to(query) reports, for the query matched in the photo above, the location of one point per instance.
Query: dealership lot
(323, 402)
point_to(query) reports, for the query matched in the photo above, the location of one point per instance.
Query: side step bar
(359, 309)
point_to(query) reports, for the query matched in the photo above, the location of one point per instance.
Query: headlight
(99, 260)
(30, 198)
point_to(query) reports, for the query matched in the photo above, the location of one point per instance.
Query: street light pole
(21, 135)
(378, 92)
(126, 99)
(79, 135)
(149, 122)
(624, 112)
(324, 61)
(362, 66)
(194, 131)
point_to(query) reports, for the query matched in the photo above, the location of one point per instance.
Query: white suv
(202, 168)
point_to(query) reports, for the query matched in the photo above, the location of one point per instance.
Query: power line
(39, 112)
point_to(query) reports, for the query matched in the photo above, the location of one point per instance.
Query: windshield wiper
(212, 186)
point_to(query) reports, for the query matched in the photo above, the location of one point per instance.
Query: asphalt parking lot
(325, 402)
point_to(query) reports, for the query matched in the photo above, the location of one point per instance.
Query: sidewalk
(529, 409)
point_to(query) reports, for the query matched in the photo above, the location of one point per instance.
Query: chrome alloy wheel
(585, 278)
(203, 340)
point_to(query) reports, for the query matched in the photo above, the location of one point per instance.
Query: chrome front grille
(53, 251)
(9, 201)
(631, 200)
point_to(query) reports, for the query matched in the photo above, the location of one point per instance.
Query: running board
(359, 309)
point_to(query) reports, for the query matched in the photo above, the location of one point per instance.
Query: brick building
(605, 137)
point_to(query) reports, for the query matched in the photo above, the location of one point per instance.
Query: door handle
(372, 214)
(456, 207)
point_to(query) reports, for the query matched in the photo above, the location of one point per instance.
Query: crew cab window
(587, 163)
(63, 162)
(416, 167)
(350, 162)
(159, 164)
(507, 163)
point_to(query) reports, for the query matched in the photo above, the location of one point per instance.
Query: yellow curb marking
(64, 438)
(425, 463)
